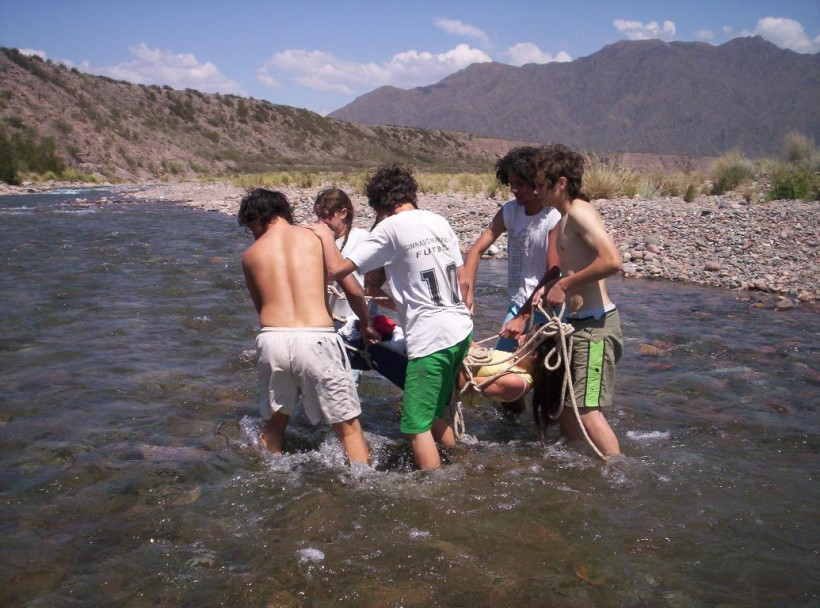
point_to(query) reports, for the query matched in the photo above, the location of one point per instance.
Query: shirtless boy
(588, 255)
(299, 351)
(421, 256)
(530, 229)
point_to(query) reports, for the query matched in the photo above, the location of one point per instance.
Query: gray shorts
(597, 345)
(306, 361)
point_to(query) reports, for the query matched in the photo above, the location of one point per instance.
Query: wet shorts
(306, 361)
(429, 386)
(597, 345)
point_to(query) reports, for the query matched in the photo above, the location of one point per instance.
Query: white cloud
(32, 52)
(459, 28)
(704, 34)
(327, 73)
(635, 30)
(178, 70)
(787, 34)
(527, 52)
(265, 78)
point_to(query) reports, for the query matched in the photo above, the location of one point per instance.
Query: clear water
(131, 474)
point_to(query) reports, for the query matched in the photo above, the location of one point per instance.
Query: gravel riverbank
(768, 252)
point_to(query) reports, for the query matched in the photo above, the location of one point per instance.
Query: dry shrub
(797, 148)
(607, 179)
(730, 171)
(439, 183)
(751, 192)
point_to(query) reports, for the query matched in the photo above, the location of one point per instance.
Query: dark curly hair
(558, 161)
(518, 161)
(391, 186)
(264, 205)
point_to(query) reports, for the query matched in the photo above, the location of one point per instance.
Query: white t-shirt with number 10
(420, 254)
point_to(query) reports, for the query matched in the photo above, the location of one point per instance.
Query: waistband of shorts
(592, 313)
(314, 330)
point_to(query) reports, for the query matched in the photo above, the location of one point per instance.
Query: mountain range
(648, 96)
(118, 130)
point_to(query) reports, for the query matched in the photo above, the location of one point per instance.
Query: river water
(132, 476)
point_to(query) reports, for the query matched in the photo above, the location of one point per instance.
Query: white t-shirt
(527, 240)
(339, 307)
(420, 254)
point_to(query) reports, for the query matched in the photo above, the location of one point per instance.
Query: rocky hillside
(648, 96)
(119, 130)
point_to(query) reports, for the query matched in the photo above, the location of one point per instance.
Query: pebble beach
(768, 252)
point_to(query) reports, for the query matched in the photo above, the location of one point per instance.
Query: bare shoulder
(582, 207)
(251, 255)
(305, 233)
(584, 213)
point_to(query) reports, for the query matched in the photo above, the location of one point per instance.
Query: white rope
(566, 352)
(562, 352)
(340, 295)
(478, 356)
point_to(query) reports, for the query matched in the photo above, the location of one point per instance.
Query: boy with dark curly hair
(530, 229)
(421, 256)
(588, 255)
(299, 352)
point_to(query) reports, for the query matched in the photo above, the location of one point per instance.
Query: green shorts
(597, 345)
(429, 386)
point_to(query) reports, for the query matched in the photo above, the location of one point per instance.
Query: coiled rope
(479, 355)
(562, 352)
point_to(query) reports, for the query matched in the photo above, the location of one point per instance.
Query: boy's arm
(355, 297)
(587, 226)
(253, 290)
(553, 263)
(463, 282)
(373, 282)
(487, 237)
(516, 326)
(337, 266)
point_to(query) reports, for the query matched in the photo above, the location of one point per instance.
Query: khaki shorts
(597, 345)
(306, 361)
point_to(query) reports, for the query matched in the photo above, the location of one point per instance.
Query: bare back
(286, 277)
(583, 240)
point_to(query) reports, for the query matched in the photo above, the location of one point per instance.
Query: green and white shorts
(429, 386)
(597, 345)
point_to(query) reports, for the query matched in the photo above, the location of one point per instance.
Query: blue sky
(321, 55)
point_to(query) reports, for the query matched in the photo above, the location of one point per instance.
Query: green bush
(794, 182)
(8, 168)
(27, 153)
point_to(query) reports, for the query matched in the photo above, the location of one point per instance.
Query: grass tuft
(731, 171)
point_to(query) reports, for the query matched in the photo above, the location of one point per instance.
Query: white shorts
(306, 361)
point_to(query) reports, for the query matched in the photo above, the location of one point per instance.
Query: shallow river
(130, 472)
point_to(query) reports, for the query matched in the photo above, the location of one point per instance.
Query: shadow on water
(132, 473)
